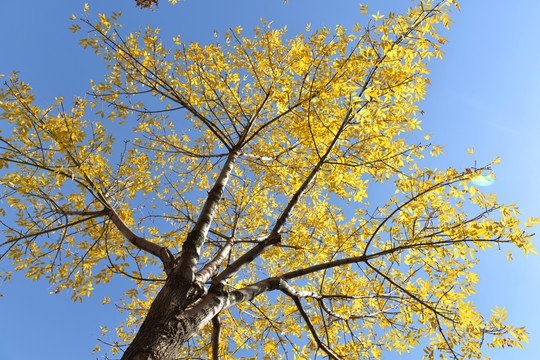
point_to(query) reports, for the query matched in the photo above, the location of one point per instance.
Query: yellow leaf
(364, 8)
(377, 16)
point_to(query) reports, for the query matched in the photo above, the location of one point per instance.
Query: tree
(253, 207)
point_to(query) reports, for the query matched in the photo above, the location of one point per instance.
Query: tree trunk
(167, 326)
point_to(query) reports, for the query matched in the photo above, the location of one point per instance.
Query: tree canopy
(230, 182)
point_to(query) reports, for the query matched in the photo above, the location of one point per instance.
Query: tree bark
(167, 326)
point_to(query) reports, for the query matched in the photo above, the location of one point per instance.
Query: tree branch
(166, 89)
(197, 289)
(295, 295)
(38, 233)
(250, 292)
(196, 238)
(275, 237)
(210, 269)
(216, 330)
(365, 258)
(161, 252)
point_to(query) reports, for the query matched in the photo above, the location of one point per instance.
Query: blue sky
(483, 95)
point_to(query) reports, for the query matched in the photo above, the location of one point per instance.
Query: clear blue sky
(484, 95)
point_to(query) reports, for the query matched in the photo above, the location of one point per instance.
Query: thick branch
(194, 242)
(197, 289)
(250, 292)
(157, 250)
(246, 258)
(211, 268)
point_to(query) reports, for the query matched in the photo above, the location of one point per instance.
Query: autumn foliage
(232, 178)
